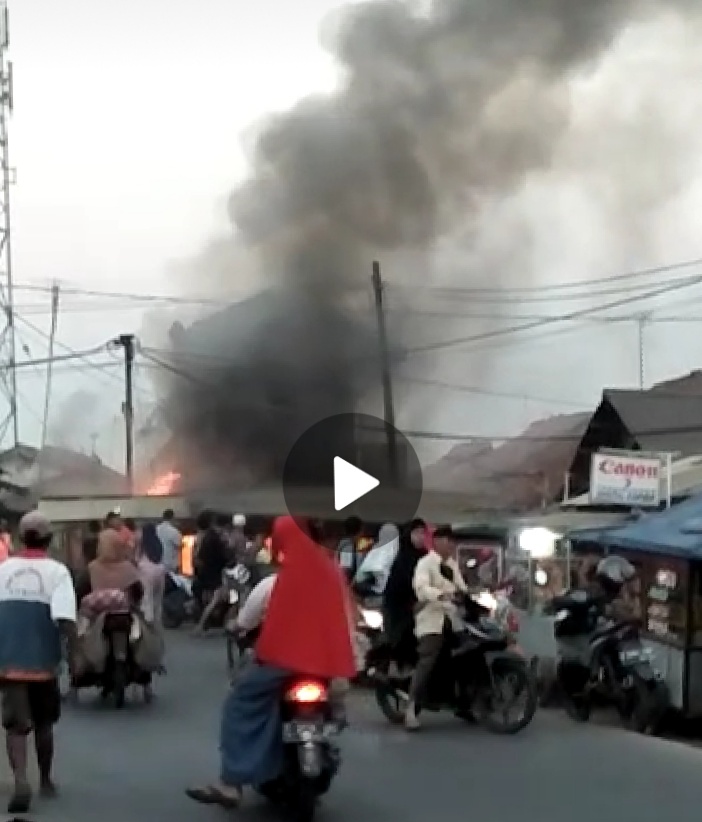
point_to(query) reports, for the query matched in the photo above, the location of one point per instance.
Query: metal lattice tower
(8, 372)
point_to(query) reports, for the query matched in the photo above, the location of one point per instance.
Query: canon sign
(625, 479)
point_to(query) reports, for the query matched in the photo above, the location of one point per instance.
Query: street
(133, 765)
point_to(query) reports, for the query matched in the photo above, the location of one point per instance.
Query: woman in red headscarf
(306, 630)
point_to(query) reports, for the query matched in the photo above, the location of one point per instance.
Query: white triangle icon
(350, 483)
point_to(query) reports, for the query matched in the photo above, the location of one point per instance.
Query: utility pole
(126, 341)
(642, 321)
(385, 372)
(50, 363)
(8, 342)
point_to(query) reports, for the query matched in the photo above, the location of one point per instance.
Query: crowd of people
(305, 615)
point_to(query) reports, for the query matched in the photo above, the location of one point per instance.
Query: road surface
(134, 765)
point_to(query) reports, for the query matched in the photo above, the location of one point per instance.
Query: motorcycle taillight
(307, 692)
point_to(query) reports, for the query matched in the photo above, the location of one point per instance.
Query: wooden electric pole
(386, 374)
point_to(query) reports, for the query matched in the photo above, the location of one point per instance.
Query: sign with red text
(625, 479)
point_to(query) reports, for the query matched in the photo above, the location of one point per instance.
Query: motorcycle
(179, 604)
(311, 756)
(369, 635)
(479, 675)
(239, 581)
(121, 630)
(603, 660)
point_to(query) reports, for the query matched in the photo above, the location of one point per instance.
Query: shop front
(666, 596)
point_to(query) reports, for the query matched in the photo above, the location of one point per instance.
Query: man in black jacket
(210, 561)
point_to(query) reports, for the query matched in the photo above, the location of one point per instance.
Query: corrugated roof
(517, 474)
(677, 531)
(660, 420)
(55, 469)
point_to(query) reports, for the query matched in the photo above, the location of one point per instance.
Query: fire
(164, 485)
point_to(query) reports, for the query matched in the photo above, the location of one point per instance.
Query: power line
(564, 286)
(483, 392)
(572, 315)
(73, 354)
(423, 434)
(67, 288)
(128, 295)
(76, 355)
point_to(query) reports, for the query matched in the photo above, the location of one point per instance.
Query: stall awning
(677, 531)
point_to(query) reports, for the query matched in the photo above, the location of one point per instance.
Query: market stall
(666, 548)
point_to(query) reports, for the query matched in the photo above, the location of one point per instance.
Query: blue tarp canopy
(677, 532)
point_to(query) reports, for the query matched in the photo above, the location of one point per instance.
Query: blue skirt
(251, 743)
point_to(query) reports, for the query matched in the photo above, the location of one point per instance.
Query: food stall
(666, 549)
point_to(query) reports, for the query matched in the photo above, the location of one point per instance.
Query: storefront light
(538, 542)
(541, 577)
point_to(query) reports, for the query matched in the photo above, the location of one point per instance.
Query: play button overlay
(350, 483)
(353, 465)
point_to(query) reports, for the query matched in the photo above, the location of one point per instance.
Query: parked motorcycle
(479, 675)
(604, 661)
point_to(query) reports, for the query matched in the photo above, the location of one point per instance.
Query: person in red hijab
(306, 630)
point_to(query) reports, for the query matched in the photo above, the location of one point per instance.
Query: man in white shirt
(437, 581)
(171, 540)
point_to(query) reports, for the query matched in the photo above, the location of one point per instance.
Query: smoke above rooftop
(443, 109)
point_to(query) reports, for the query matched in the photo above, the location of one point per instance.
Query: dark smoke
(444, 107)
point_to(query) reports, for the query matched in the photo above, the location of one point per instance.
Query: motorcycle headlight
(373, 619)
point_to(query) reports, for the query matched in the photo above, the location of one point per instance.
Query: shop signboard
(625, 478)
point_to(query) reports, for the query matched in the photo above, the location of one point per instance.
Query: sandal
(212, 795)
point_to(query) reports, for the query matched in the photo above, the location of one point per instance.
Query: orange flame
(164, 485)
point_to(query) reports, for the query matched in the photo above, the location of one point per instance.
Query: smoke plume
(74, 420)
(444, 109)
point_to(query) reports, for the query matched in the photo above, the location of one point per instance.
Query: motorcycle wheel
(119, 686)
(172, 621)
(578, 708)
(522, 681)
(648, 705)
(391, 703)
(304, 804)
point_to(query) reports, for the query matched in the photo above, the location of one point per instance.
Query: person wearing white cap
(37, 605)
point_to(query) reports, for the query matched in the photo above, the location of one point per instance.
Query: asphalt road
(134, 765)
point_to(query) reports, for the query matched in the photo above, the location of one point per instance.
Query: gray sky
(127, 138)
